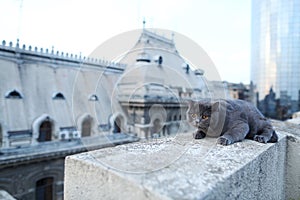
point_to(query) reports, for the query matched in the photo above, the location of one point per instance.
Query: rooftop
(48, 150)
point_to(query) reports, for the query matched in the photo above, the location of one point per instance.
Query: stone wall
(292, 167)
(182, 168)
(22, 185)
(36, 86)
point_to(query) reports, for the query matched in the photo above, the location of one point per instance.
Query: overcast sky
(220, 27)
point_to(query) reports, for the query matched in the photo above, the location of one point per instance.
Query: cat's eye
(194, 116)
(204, 117)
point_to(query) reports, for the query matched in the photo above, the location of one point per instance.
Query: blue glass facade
(275, 53)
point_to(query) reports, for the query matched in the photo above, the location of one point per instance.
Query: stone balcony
(182, 168)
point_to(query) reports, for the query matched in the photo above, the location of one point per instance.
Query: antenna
(20, 18)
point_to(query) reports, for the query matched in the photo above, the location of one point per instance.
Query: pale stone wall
(202, 170)
(38, 77)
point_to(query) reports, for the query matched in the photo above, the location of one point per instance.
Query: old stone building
(154, 86)
(54, 104)
(51, 105)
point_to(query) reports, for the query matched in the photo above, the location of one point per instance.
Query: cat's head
(199, 113)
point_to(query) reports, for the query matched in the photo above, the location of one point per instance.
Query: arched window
(58, 96)
(187, 69)
(45, 131)
(86, 127)
(14, 94)
(117, 125)
(169, 118)
(175, 118)
(157, 126)
(160, 60)
(44, 189)
(93, 97)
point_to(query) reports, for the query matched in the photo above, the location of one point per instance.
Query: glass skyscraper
(275, 53)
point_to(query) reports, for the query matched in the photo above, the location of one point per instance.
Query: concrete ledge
(292, 177)
(179, 168)
(5, 195)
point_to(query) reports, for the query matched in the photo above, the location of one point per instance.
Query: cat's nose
(196, 122)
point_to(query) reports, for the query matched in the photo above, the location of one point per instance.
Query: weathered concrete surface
(179, 168)
(292, 159)
(5, 195)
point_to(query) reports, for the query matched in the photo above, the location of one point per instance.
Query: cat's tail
(274, 137)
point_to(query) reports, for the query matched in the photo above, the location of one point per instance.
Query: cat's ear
(215, 106)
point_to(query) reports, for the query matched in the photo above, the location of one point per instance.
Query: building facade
(275, 60)
(241, 91)
(54, 104)
(156, 83)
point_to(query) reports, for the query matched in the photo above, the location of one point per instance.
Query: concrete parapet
(182, 168)
(5, 195)
(292, 177)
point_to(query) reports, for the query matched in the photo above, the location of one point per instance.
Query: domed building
(154, 86)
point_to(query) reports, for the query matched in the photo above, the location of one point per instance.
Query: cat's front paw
(224, 141)
(199, 135)
(260, 138)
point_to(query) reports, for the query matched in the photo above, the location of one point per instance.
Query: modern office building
(275, 61)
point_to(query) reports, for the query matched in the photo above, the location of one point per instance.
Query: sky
(220, 27)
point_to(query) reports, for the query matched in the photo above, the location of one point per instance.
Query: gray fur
(229, 120)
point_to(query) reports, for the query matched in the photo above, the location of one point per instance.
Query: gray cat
(229, 120)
